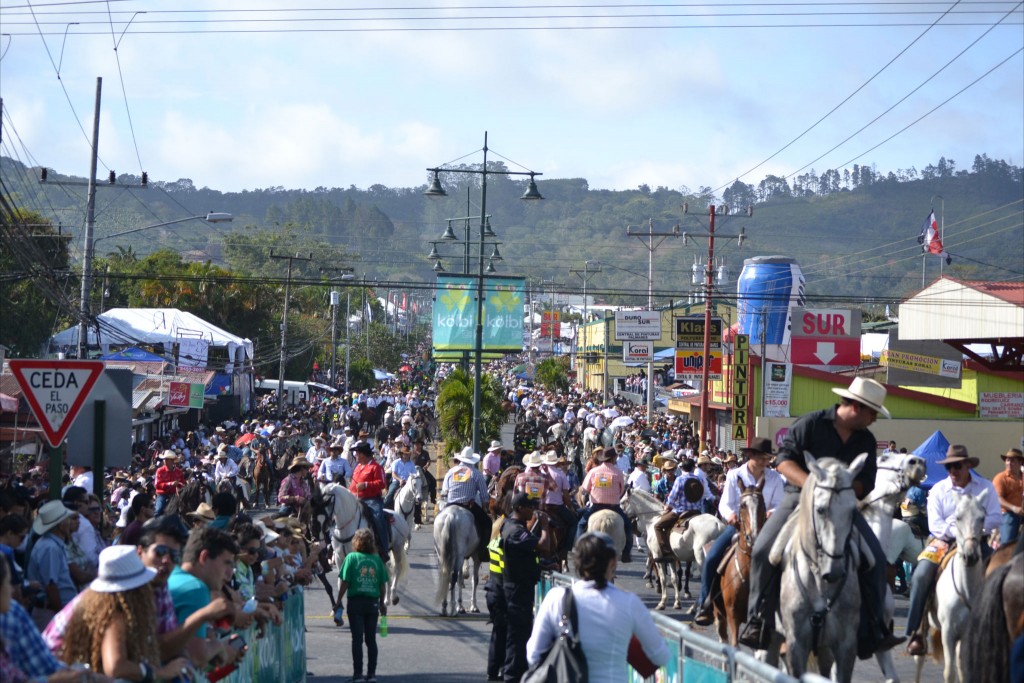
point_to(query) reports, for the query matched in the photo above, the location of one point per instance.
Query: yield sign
(56, 391)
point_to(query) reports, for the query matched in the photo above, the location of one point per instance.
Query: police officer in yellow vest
(494, 592)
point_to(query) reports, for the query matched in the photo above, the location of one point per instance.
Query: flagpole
(942, 226)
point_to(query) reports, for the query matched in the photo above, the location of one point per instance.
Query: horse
(996, 622)
(501, 495)
(820, 550)
(409, 497)
(237, 487)
(345, 516)
(687, 547)
(195, 491)
(262, 477)
(594, 437)
(897, 472)
(609, 522)
(731, 606)
(455, 540)
(958, 587)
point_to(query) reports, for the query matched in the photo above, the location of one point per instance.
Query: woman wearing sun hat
(113, 628)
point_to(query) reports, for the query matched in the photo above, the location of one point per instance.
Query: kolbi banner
(455, 308)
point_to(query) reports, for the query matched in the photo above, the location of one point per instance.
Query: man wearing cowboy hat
(334, 467)
(368, 486)
(755, 472)
(169, 480)
(226, 468)
(558, 501)
(840, 432)
(605, 484)
(402, 468)
(685, 498)
(492, 461)
(48, 561)
(464, 485)
(1009, 484)
(942, 500)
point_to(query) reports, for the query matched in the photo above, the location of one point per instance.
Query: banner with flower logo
(455, 313)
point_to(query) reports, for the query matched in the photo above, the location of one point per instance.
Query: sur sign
(637, 325)
(56, 391)
(825, 336)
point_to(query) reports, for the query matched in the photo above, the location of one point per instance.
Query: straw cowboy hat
(50, 515)
(168, 455)
(550, 458)
(668, 464)
(534, 459)
(495, 446)
(297, 462)
(958, 453)
(204, 512)
(121, 569)
(605, 454)
(703, 460)
(467, 456)
(1013, 453)
(867, 392)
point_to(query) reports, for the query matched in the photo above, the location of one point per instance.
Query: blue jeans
(1010, 528)
(362, 621)
(161, 503)
(380, 524)
(709, 572)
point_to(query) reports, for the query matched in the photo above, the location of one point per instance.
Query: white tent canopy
(167, 326)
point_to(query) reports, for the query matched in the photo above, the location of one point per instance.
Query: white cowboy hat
(495, 446)
(269, 535)
(534, 459)
(867, 392)
(550, 458)
(467, 456)
(50, 515)
(204, 511)
(169, 455)
(121, 569)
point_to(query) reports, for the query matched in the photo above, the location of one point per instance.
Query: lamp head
(435, 190)
(218, 217)
(438, 268)
(495, 256)
(433, 253)
(531, 190)
(449, 234)
(490, 267)
(488, 232)
(742, 236)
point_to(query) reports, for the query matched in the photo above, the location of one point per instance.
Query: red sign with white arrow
(56, 390)
(825, 337)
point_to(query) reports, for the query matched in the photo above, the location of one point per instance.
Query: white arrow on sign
(825, 352)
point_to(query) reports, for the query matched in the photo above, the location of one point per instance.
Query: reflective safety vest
(497, 557)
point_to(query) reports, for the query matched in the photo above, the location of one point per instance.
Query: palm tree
(455, 411)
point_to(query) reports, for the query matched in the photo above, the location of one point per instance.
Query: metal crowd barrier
(695, 658)
(280, 655)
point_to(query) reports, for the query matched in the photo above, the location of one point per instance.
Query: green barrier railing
(280, 655)
(695, 658)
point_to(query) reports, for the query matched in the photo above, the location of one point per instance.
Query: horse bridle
(814, 523)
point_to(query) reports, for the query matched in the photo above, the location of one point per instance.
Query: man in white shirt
(226, 468)
(942, 500)
(638, 478)
(82, 476)
(755, 472)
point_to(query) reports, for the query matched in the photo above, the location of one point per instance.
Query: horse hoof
(660, 608)
(462, 610)
(474, 610)
(394, 600)
(687, 596)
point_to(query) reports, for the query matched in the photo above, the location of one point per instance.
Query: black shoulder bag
(564, 662)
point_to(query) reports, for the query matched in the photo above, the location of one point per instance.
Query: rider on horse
(605, 484)
(840, 432)
(684, 500)
(758, 455)
(464, 486)
(368, 486)
(942, 522)
(333, 467)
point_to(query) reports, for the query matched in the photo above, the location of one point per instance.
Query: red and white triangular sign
(56, 391)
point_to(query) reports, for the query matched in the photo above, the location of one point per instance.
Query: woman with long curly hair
(113, 628)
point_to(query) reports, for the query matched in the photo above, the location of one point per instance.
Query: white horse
(820, 551)
(897, 472)
(455, 540)
(594, 437)
(609, 522)
(345, 514)
(904, 546)
(959, 586)
(687, 547)
(408, 498)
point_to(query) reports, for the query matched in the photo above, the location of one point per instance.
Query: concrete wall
(985, 439)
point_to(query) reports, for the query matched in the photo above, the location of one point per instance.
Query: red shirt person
(368, 486)
(169, 480)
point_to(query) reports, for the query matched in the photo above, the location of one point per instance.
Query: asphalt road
(424, 647)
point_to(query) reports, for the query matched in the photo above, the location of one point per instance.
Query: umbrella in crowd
(244, 439)
(622, 421)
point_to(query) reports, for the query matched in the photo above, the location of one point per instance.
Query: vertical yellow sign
(740, 405)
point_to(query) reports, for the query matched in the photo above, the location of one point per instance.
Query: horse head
(902, 470)
(828, 501)
(969, 526)
(752, 513)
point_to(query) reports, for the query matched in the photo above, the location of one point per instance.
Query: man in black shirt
(519, 578)
(840, 432)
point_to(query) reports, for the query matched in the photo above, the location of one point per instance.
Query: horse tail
(987, 642)
(445, 557)
(936, 649)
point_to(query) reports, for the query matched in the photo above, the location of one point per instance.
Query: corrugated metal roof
(949, 309)
(1011, 292)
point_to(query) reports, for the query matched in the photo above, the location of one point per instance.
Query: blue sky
(694, 100)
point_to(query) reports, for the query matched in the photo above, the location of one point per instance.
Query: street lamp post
(90, 251)
(436, 191)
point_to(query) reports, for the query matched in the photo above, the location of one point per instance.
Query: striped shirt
(464, 484)
(534, 482)
(561, 481)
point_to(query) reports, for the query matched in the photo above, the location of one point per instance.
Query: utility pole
(90, 224)
(705, 384)
(584, 274)
(651, 244)
(284, 324)
(335, 302)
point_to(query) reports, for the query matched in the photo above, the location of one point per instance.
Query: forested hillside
(854, 231)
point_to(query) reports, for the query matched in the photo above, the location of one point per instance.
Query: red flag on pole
(930, 240)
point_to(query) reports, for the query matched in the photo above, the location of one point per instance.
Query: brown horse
(731, 603)
(996, 621)
(262, 477)
(501, 495)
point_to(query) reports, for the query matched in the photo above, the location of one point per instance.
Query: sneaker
(704, 617)
(755, 635)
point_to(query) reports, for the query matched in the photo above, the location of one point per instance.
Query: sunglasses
(165, 551)
(251, 550)
(96, 509)
(955, 466)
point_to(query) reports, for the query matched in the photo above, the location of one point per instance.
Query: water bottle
(384, 626)
(339, 615)
(250, 606)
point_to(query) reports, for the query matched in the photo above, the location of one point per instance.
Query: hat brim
(971, 461)
(41, 529)
(845, 393)
(122, 584)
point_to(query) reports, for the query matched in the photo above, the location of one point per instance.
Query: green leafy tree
(455, 411)
(553, 374)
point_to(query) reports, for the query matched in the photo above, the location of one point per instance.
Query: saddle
(723, 566)
(683, 523)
